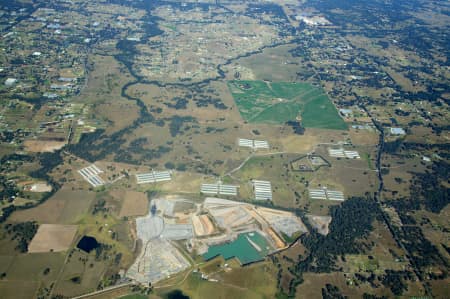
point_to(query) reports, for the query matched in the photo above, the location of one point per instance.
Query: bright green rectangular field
(279, 102)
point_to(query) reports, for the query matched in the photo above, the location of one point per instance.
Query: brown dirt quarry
(202, 225)
(52, 237)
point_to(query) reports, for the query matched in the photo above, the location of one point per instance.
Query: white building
(10, 81)
(262, 189)
(397, 131)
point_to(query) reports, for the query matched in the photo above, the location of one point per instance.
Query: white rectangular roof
(153, 177)
(90, 174)
(254, 144)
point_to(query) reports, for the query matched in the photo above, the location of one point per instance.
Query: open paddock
(279, 102)
(30, 266)
(353, 177)
(65, 207)
(52, 237)
(18, 289)
(48, 212)
(78, 265)
(134, 204)
(253, 281)
(185, 183)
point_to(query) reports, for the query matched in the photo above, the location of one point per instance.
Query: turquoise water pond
(242, 249)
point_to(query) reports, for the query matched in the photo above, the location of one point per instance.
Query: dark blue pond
(88, 244)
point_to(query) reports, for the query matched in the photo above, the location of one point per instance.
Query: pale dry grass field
(134, 204)
(52, 237)
(36, 146)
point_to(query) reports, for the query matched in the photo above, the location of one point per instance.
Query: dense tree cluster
(423, 253)
(429, 186)
(8, 189)
(177, 122)
(47, 161)
(332, 292)
(351, 222)
(392, 147)
(297, 127)
(22, 233)
(180, 103)
(395, 280)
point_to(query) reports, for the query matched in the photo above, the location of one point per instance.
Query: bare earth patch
(39, 187)
(43, 146)
(202, 225)
(53, 237)
(321, 223)
(135, 204)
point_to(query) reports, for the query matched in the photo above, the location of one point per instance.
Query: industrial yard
(158, 260)
(207, 228)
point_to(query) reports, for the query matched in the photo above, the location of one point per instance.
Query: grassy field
(18, 289)
(30, 267)
(86, 268)
(271, 168)
(104, 90)
(25, 273)
(52, 237)
(65, 207)
(254, 281)
(135, 204)
(321, 113)
(279, 102)
(271, 65)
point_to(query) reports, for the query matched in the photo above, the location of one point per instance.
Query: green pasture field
(25, 273)
(85, 267)
(18, 289)
(279, 102)
(30, 266)
(253, 281)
